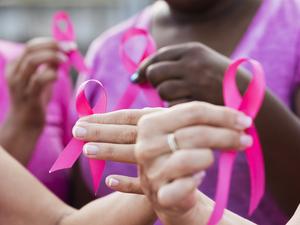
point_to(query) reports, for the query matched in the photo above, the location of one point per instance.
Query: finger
(40, 80)
(107, 133)
(193, 113)
(183, 163)
(170, 53)
(113, 152)
(122, 117)
(32, 62)
(42, 43)
(162, 71)
(124, 184)
(211, 137)
(172, 90)
(178, 191)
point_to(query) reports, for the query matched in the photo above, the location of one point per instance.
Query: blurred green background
(20, 20)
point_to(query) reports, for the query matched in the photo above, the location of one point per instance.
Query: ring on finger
(172, 142)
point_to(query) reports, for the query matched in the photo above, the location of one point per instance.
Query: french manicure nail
(198, 177)
(112, 182)
(246, 140)
(244, 121)
(134, 77)
(79, 132)
(90, 150)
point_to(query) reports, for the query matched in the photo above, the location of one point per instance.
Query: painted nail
(112, 182)
(90, 150)
(198, 177)
(67, 46)
(134, 77)
(246, 141)
(79, 132)
(62, 57)
(244, 121)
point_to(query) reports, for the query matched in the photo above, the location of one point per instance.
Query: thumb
(124, 184)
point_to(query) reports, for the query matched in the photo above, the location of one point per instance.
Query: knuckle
(130, 136)
(164, 90)
(130, 117)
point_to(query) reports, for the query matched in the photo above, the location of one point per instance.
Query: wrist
(19, 121)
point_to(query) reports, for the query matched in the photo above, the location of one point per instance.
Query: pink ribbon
(63, 32)
(71, 153)
(250, 104)
(133, 90)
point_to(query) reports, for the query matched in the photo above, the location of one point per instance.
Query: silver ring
(172, 142)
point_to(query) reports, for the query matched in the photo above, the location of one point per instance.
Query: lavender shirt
(55, 134)
(272, 38)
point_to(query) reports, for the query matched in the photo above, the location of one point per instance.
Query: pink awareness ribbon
(249, 104)
(133, 90)
(71, 153)
(63, 32)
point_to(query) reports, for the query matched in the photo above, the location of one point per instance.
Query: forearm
(117, 208)
(279, 131)
(24, 200)
(200, 215)
(18, 140)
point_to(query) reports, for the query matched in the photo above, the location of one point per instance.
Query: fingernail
(134, 77)
(246, 140)
(62, 57)
(244, 121)
(79, 132)
(112, 182)
(67, 46)
(198, 177)
(90, 150)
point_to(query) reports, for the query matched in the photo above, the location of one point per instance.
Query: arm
(25, 201)
(200, 213)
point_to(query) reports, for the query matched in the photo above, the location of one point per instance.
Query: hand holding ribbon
(250, 104)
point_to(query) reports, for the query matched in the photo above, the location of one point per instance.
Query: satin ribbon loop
(71, 153)
(250, 104)
(130, 64)
(63, 32)
(133, 90)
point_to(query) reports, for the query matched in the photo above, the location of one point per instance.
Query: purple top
(272, 38)
(55, 134)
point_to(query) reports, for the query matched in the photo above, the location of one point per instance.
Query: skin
(30, 79)
(170, 179)
(45, 208)
(178, 66)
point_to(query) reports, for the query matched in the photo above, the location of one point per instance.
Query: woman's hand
(195, 71)
(169, 176)
(30, 78)
(110, 136)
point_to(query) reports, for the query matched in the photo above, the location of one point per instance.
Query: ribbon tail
(222, 193)
(78, 62)
(256, 168)
(128, 97)
(153, 97)
(68, 156)
(97, 168)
